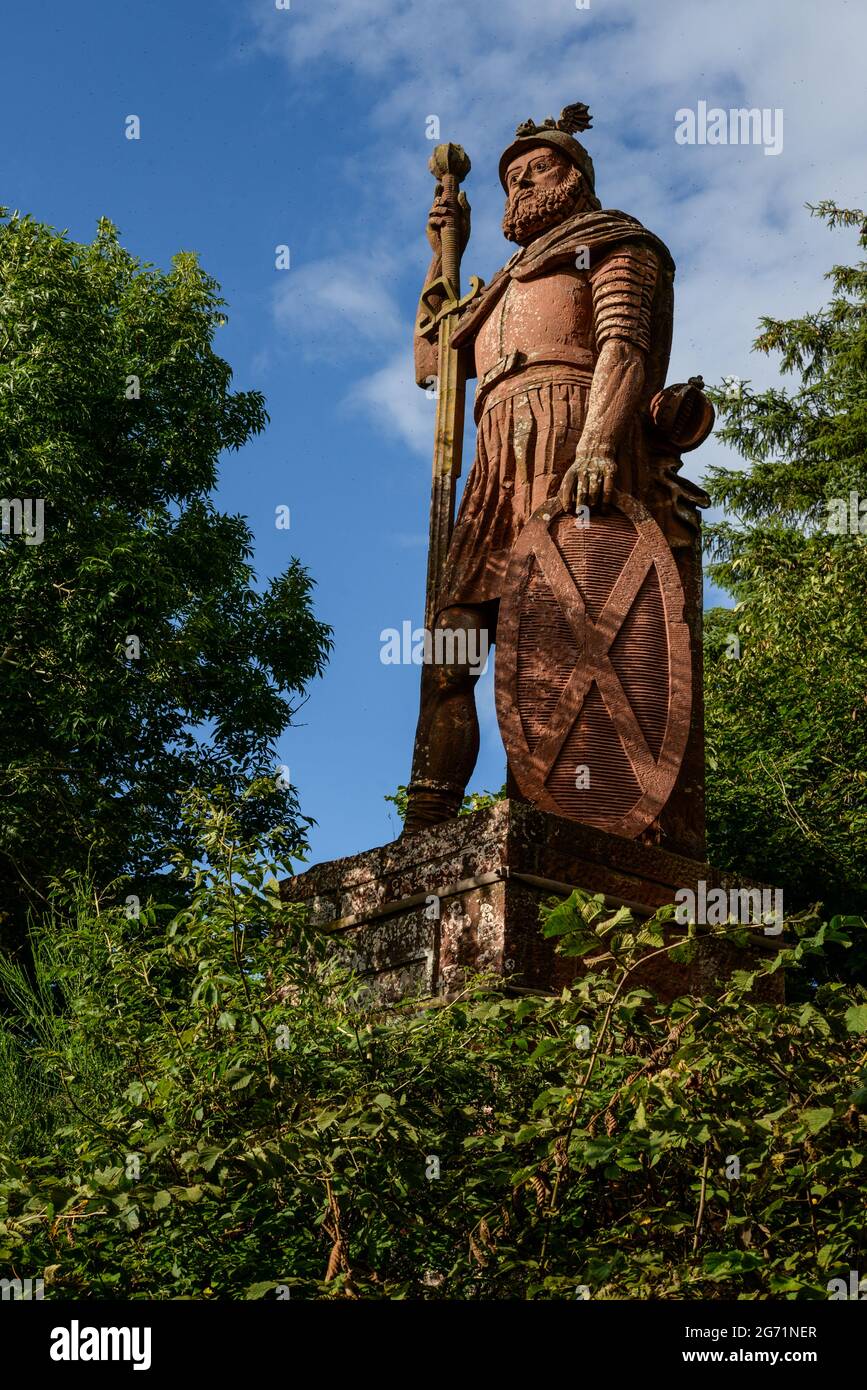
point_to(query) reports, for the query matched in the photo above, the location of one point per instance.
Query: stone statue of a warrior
(569, 343)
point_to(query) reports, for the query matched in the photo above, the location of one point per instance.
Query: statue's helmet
(559, 136)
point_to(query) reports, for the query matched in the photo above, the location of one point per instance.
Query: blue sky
(307, 127)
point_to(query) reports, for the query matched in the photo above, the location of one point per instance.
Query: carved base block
(420, 912)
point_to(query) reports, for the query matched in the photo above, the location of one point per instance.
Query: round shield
(593, 671)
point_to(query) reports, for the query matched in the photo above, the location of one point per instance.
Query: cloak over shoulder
(600, 232)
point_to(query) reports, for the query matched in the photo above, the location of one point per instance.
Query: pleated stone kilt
(528, 431)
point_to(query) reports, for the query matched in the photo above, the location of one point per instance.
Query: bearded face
(543, 189)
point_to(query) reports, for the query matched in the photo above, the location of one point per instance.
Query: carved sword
(440, 306)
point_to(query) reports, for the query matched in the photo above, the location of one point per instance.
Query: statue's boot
(428, 804)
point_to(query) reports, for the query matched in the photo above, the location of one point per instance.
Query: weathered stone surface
(599, 631)
(465, 895)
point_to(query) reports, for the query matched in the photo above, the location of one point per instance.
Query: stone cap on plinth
(465, 895)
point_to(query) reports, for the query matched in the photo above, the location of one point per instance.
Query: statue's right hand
(438, 217)
(442, 213)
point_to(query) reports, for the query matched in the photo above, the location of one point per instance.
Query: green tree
(787, 703)
(139, 656)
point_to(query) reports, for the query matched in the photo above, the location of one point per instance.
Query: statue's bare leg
(447, 738)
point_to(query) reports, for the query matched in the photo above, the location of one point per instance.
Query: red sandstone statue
(569, 344)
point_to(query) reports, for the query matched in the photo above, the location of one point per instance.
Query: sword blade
(447, 457)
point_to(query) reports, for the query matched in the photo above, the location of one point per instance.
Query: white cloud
(390, 398)
(339, 304)
(734, 218)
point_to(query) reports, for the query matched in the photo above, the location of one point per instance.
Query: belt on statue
(578, 364)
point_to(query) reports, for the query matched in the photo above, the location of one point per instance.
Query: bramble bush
(206, 1103)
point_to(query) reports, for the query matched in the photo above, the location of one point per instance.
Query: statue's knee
(458, 648)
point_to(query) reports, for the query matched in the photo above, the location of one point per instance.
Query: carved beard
(530, 211)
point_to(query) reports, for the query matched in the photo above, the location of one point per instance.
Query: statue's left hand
(590, 479)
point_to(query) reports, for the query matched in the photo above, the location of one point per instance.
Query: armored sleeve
(623, 285)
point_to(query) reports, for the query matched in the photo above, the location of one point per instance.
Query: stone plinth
(465, 895)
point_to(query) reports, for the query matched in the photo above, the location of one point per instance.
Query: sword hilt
(450, 165)
(438, 299)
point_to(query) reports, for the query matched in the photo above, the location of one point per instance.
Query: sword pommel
(450, 160)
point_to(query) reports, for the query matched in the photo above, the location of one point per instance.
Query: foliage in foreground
(472, 801)
(209, 1106)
